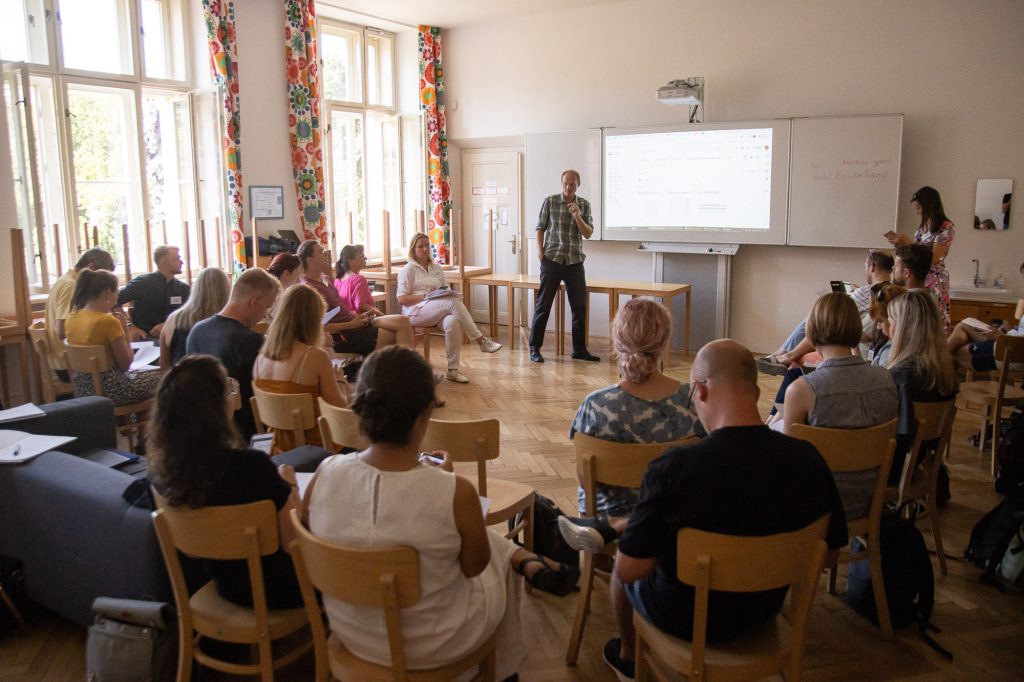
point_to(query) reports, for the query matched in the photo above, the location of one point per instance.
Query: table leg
(492, 308)
(686, 324)
(510, 317)
(586, 320)
(666, 355)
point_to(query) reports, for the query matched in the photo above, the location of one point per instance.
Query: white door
(491, 201)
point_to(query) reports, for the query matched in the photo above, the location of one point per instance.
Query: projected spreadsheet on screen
(700, 179)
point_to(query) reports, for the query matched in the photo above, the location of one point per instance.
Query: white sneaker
(457, 376)
(489, 345)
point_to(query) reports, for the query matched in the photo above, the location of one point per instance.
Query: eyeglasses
(693, 389)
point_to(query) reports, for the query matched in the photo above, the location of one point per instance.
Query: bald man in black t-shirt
(742, 479)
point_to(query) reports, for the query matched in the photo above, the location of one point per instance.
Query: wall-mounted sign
(266, 201)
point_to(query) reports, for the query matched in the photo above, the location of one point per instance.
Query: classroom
(512, 73)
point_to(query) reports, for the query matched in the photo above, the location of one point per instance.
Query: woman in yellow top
(92, 324)
(293, 360)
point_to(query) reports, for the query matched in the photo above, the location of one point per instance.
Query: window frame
(136, 85)
(367, 111)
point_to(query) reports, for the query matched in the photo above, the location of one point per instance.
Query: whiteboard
(844, 180)
(547, 156)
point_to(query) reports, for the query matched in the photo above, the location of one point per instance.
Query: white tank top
(359, 505)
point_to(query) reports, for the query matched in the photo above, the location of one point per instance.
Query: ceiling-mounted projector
(684, 91)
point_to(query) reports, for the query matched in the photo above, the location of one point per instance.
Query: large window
(368, 146)
(111, 146)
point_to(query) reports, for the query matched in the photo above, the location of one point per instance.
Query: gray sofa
(67, 519)
(64, 516)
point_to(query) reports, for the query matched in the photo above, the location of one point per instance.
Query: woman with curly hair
(644, 407)
(195, 461)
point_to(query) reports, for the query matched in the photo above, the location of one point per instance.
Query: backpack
(131, 641)
(907, 574)
(1010, 456)
(996, 544)
(547, 540)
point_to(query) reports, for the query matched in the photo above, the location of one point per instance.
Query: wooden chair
(339, 428)
(386, 578)
(425, 333)
(730, 563)
(602, 461)
(855, 453)
(919, 480)
(478, 441)
(284, 412)
(989, 399)
(243, 532)
(52, 386)
(94, 361)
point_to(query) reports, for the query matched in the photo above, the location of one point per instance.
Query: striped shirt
(563, 242)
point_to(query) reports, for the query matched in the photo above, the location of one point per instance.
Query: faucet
(977, 266)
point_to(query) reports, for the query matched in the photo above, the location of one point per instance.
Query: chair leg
(266, 659)
(426, 346)
(582, 609)
(833, 570)
(878, 587)
(937, 537)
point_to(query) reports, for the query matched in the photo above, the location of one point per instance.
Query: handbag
(131, 641)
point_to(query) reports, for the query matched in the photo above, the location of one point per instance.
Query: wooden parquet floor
(535, 403)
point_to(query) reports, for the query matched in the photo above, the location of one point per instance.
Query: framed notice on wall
(266, 201)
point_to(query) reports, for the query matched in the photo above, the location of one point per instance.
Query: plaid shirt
(563, 242)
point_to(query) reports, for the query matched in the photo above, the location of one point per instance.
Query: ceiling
(452, 13)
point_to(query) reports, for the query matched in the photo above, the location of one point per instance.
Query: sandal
(558, 582)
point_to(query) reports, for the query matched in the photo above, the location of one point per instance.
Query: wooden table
(666, 291)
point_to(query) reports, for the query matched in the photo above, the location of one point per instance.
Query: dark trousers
(552, 274)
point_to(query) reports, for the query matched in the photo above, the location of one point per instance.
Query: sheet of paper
(144, 356)
(136, 345)
(111, 458)
(18, 446)
(303, 479)
(440, 293)
(26, 411)
(485, 505)
(329, 315)
(977, 324)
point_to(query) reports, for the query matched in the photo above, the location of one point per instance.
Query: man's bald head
(726, 363)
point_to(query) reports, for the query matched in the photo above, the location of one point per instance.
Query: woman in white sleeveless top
(386, 496)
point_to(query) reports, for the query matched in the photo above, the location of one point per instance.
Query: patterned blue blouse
(613, 414)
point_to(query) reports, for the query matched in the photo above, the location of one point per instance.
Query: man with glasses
(741, 479)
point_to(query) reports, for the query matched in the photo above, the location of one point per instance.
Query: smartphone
(430, 456)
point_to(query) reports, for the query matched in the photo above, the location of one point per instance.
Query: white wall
(263, 93)
(953, 68)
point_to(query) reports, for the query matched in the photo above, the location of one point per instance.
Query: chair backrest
(340, 426)
(730, 563)
(91, 360)
(864, 452)
(40, 337)
(611, 463)
(934, 423)
(468, 441)
(285, 411)
(1009, 351)
(386, 578)
(1019, 312)
(241, 531)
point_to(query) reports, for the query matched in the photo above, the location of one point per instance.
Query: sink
(980, 293)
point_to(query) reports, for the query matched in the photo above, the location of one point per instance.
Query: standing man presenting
(564, 222)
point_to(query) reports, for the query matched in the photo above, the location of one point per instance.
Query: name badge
(175, 300)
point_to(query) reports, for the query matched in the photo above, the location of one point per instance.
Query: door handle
(513, 242)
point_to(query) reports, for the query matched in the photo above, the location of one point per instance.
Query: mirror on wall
(992, 205)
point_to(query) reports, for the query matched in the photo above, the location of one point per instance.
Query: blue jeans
(796, 337)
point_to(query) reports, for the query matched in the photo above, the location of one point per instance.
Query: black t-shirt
(250, 476)
(744, 480)
(237, 347)
(153, 298)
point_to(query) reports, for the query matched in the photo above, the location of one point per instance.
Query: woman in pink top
(354, 293)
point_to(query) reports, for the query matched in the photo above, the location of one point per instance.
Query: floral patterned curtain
(303, 74)
(439, 208)
(220, 29)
